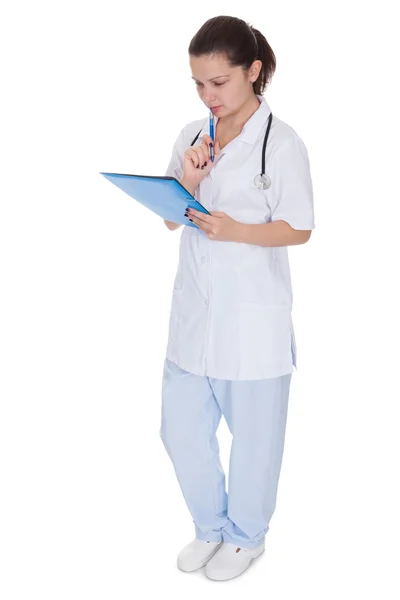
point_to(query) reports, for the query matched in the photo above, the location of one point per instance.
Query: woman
(231, 347)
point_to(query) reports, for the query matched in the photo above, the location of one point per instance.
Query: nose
(207, 99)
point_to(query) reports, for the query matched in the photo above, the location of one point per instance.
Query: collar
(252, 128)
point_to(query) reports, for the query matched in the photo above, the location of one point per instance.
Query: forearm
(171, 225)
(188, 186)
(276, 233)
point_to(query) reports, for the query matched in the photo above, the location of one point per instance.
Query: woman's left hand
(218, 226)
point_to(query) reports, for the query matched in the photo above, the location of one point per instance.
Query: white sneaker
(231, 561)
(197, 554)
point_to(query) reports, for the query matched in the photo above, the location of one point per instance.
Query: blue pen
(211, 120)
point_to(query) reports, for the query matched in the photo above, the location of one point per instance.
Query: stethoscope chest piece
(262, 181)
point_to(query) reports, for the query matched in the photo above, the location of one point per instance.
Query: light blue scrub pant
(255, 412)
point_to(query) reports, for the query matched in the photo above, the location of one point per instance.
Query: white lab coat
(231, 302)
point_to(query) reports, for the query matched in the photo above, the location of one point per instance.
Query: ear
(254, 70)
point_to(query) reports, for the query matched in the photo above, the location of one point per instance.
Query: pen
(211, 121)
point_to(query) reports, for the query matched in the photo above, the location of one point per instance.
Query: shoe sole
(203, 564)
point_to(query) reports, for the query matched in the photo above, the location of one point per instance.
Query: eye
(198, 83)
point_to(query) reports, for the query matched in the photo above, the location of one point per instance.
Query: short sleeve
(175, 167)
(293, 190)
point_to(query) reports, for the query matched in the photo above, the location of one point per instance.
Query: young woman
(231, 348)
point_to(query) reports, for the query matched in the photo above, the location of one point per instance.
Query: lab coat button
(203, 259)
(206, 301)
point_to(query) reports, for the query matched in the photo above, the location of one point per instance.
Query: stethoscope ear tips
(262, 181)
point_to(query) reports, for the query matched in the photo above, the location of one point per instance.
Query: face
(221, 87)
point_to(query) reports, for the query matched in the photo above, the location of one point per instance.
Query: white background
(90, 506)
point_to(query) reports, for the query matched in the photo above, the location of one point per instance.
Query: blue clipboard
(163, 195)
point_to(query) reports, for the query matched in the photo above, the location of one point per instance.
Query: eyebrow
(210, 79)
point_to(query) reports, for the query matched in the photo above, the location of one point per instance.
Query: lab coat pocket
(260, 278)
(265, 335)
(178, 283)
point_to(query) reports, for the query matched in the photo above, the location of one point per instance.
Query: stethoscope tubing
(261, 181)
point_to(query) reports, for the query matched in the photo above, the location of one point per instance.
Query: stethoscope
(261, 181)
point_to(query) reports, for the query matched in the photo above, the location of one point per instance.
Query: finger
(207, 140)
(201, 223)
(197, 155)
(217, 153)
(193, 155)
(207, 151)
(189, 155)
(196, 221)
(200, 215)
(203, 153)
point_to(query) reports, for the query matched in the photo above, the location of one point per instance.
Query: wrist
(188, 186)
(243, 233)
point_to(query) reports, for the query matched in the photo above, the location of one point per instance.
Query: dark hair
(240, 42)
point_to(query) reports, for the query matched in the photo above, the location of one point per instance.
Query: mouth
(215, 108)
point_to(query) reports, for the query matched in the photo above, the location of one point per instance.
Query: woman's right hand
(197, 162)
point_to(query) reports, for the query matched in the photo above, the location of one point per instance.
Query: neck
(237, 120)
